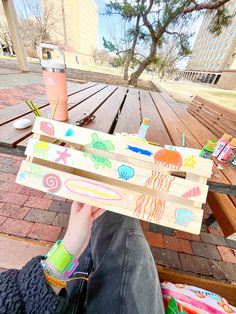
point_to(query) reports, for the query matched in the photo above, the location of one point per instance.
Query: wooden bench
(218, 120)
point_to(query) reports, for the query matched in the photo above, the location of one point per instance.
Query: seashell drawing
(183, 217)
(47, 128)
(70, 132)
(125, 172)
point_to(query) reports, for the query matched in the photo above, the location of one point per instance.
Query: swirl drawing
(52, 182)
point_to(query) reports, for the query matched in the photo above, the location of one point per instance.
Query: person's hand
(79, 228)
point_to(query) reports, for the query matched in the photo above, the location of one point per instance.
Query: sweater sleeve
(27, 291)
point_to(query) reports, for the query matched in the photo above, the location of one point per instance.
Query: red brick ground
(16, 95)
(32, 214)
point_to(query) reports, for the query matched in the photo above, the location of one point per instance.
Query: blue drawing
(139, 150)
(183, 217)
(22, 176)
(125, 172)
(70, 132)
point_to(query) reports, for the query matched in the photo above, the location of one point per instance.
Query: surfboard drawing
(91, 190)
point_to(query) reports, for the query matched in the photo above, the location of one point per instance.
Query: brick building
(213, 59)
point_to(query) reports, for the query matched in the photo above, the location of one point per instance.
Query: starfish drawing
(190, 161)
(62, 156)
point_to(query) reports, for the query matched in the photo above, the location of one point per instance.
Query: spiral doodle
(52, 182)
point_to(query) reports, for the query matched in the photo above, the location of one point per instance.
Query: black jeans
(123, 277)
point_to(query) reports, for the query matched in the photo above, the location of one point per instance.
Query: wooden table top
(121, 109)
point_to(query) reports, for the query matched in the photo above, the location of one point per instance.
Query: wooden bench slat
(131, 113)
(20, 110)
(226, 218)
(10, 137)
(157, 131)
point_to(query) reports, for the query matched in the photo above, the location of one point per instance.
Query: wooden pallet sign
(117, 173)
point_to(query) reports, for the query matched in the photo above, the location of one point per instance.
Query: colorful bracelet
(51, 273)
(63, 261)
(54, 281)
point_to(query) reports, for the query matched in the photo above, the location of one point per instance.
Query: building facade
(213, 59)
(75, 29)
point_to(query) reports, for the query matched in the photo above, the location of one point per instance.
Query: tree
(161, 17)
(101, 56)
(37, 20)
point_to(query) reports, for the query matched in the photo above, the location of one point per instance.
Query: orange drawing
(159, 181)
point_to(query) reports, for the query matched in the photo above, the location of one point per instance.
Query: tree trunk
(135, 75)
(131, 51)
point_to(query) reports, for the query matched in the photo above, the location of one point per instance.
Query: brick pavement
(16, 95)
(28, 213)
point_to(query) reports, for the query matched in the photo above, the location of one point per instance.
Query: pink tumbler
(55, 81)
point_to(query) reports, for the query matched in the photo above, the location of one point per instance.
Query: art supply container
(55, 80)
(223, 141)
(143, 128)
(227, 151)
(208, 149)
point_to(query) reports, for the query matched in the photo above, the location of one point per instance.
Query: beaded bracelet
(54, 281)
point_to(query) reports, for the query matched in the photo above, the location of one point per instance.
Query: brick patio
(28, 213)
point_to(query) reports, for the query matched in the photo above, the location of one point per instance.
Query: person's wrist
(71, 248)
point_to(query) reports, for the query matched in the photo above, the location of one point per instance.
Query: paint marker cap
(211, 144)
(226, 137)
(233, 141)
(146, 121)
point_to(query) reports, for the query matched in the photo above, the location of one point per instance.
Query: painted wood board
(118, 170)
(117, 199)
(155, 156)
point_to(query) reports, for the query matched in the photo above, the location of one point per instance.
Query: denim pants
(123, 278)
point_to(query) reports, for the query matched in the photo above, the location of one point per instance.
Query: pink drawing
(63, 156)
(192, 192)
(47, 128)
(92, 190)
(52, 182)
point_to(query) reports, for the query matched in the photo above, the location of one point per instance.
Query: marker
(183, 140)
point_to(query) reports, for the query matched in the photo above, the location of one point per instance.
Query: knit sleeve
(27, 291)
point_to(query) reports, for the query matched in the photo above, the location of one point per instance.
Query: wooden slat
(224, 212)
(107, 113)
(225, 290)
(130, 117)
(122, 148)
(90, 105)
(140, 175)
(20, 110)
(16, 252)
(229, 114)
(156, 131)
(9, 136)
(107, 196)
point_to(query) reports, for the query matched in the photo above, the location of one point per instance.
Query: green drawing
(102, 145)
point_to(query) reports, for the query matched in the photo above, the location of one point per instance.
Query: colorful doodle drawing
(70, 132)
(41, 149)
(47, 128)
(91, 190)
(63, 156)
(226, 307)
(139, 150)
(183, 217)
(154, 207)
(192, 192)
(190, 161)
(125, 172)
(102, 145)
(35, 170)
(52, 182)
(22, 176)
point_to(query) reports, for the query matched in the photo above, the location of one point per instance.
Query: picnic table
(121, 109)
